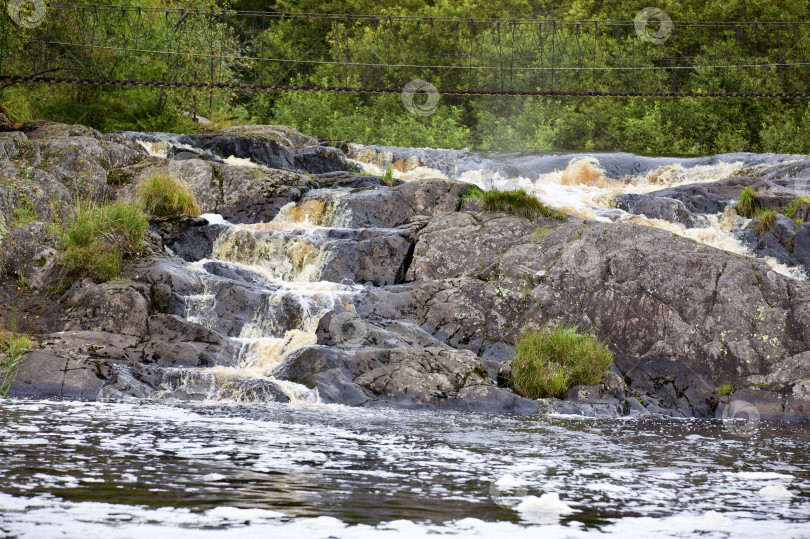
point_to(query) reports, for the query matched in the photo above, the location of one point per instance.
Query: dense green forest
(687, 126)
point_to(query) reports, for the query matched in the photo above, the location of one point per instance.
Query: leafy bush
(162, 194)
(747, 204)
(518, 202)
(550, 362)
(98, 241)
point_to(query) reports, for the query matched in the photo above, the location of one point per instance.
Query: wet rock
(657, 207)
(190, 238)
(44, 374)
(176, 342)
(71, 364)
(374, 257)
(801, 244)
(754, 405)
(272, 146)
(436, 378)
(708, 198)
(388, 208)
(194, 385)
(556, 406)
(116, 307)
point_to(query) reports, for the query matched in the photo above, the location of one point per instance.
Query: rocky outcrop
(405, 377)
(273, 146)
(378, 295)
(657, 207)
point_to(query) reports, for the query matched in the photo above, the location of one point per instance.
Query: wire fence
(182, 48)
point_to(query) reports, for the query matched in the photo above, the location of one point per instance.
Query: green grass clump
(473, 192)
(13, 346)
(549, 363)
(516, 201)
(23, 215)
(98, 241)
(724, 390)
(162, 195)
(790, 209)
(747, 204)
(765, 220)
(388, 177)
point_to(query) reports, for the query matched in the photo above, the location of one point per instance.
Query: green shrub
(747, 204)
(162, 195)
(98, 241)
(518, 202)
(549, 362)
(765, 220)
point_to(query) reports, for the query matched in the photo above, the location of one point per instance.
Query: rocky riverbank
(306, 275)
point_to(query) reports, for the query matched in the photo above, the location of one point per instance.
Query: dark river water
(77, 469)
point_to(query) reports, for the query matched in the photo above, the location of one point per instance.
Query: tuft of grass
(98, 241)
(725, 389)
(23, 215)
(518, 202)
(14, 346)
(747, 204)
(549, 362)
(541, 233)
(473, 192)
(765, 220)
(790, 209)
(388, 177)
(162, 195)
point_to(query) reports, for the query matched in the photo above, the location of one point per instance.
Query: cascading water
(586, 185)
(286, 257)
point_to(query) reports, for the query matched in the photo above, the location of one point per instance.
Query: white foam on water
(241, 162)
(417, 173)
(508, 481)
(546, 509)
(775, 491)
(759, 475)
(215, 219)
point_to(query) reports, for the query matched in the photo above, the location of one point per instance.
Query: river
(174, 470)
